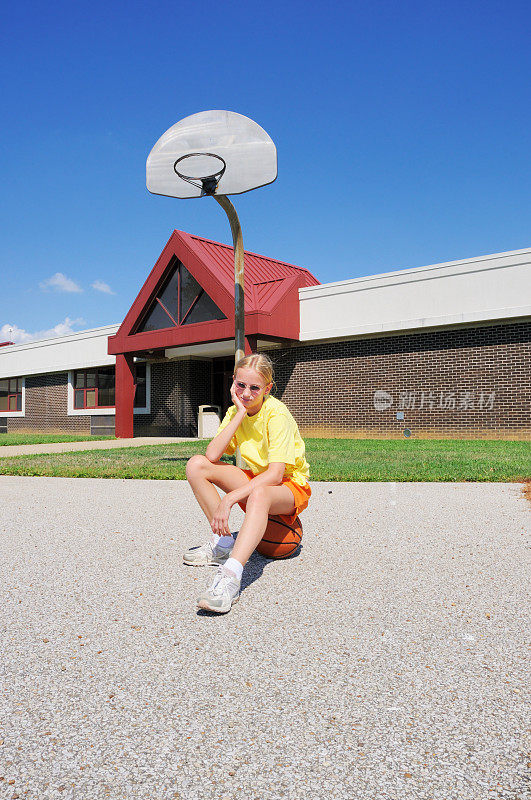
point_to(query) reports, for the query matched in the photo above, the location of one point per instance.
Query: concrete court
(386, 661)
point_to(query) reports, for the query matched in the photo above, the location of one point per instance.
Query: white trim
(111, 410)
(385, 333)
(91, 333)
(494, 287)
(11, 414)
(147, 409)
(414, 325)
(82, 350)
(477, 264)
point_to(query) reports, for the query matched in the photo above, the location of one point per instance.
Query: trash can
(208, 420)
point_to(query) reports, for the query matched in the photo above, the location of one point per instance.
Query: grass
(7, 439)
(330, 460)
(419, 460)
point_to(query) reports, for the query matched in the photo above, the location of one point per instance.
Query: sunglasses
(253, 388)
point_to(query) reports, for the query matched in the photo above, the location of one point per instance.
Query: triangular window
(180, 301)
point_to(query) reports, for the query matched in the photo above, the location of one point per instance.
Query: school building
(441, 351)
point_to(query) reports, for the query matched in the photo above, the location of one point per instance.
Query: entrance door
(222, 369)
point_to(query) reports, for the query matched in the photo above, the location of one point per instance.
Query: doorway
(222, 370)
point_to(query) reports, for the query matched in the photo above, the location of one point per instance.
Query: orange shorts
(300, 493)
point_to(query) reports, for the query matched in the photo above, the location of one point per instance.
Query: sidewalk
(67, 447)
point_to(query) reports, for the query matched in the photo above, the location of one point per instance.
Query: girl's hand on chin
(235, 399)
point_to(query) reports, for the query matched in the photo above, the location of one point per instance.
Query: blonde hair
(260, 363)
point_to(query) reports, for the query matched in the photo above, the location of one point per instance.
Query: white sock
(234, 566)
(223, 541)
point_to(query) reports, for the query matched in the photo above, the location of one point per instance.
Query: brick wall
(177, 389)
(330, 388)
(46, 407)
(471, 382)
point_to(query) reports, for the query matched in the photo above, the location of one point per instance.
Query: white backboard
(248, 151)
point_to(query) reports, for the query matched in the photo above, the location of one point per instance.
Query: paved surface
(67, 447)
(386, 661)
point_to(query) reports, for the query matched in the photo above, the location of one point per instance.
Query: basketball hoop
(226, 152)
(244, 150)
(201, 163)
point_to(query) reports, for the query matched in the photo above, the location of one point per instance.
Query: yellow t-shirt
(271, 435)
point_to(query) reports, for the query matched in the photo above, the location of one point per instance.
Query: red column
(125, 396)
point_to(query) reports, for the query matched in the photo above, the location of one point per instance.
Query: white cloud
(100, 286)
(60, 283)
(12, 333)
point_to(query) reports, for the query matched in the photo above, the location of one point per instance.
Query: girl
(276, 483)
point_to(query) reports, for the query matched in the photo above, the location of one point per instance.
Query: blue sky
(402, 129)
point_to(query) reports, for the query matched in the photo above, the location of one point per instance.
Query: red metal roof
(263, 276)
(271, 296)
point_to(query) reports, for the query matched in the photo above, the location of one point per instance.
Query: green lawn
(330, 460)
(45, 438)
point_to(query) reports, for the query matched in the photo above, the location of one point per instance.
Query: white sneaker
(207, 554)
(222, 593)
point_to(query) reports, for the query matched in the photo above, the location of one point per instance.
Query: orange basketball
(280, 539)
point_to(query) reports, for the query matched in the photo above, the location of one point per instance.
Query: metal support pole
(239, 300)
(239, 296)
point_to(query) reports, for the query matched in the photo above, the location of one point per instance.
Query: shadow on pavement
(251, 572)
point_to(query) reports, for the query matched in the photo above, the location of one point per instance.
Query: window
(11, 394)
(141, 386)
(180, 301)
(95, 388)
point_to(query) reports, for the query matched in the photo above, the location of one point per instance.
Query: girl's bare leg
(203, 476)
(263, 501)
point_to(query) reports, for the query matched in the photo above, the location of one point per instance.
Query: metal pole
(239, 300)
(239, 297)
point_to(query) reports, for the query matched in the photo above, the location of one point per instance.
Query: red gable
(271, 297)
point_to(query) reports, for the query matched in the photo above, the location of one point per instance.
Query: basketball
(280, 539)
